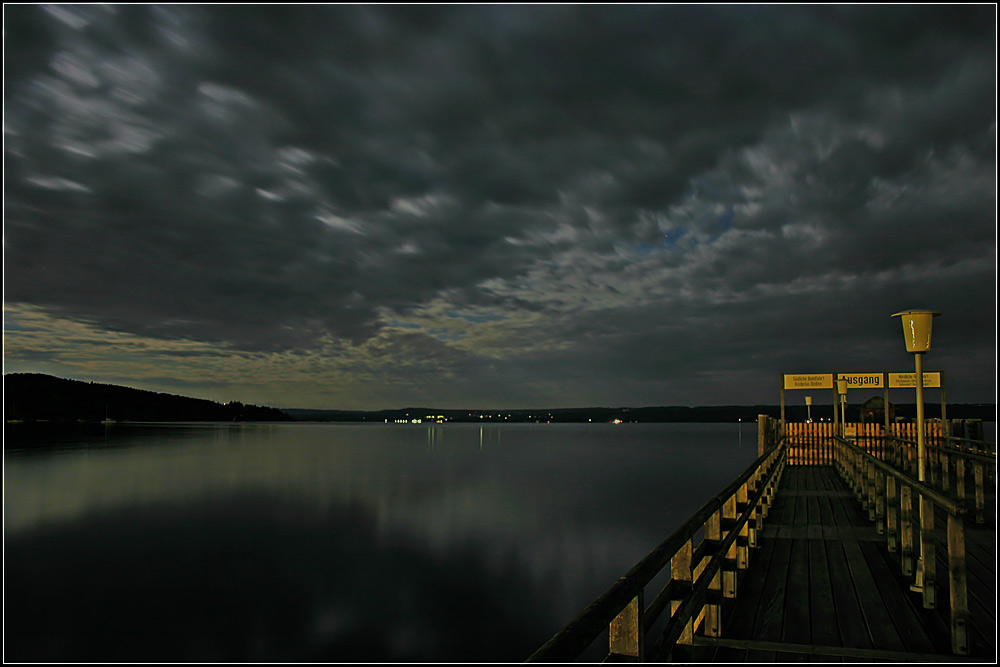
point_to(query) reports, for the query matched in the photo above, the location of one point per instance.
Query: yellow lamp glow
(917, 329)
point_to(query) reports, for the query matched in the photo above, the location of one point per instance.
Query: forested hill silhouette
(35, 396)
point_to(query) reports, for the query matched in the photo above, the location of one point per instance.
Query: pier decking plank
(823, 580)
(821, 583)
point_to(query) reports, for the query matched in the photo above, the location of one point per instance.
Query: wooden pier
(824, 549)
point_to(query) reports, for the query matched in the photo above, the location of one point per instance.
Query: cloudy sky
(497, 206)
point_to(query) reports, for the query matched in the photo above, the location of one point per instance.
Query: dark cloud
(595, 180)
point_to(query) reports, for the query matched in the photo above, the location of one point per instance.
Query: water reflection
(301, 542)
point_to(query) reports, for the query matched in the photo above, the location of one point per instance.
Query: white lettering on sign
(813, 381)
(862, 380)
(908, 380)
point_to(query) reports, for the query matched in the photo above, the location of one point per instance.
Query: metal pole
(921, 452)
(921, 467)
(782, 403)
(885, 402)
(836, 412)
(944, 407)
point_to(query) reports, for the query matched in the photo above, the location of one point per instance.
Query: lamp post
(809, 414)
(842, 390)
(917, 335)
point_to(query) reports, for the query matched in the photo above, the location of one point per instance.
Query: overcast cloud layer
(497, 206)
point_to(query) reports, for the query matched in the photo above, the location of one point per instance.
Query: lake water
(337, 542)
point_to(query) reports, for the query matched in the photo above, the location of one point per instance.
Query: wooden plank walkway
(789, 562)
(823, 587)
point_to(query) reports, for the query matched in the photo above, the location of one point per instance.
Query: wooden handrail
(956, 451)
(692, 603)
(940, 460)
(621, 604)
(886, 493)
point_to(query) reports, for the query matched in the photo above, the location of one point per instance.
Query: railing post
(960, 481)
(870, 491)
(945, 471)
(762, 439)
(977, 472)
(729, 562)
(957, 584)
(713, 609)
(880, 492)
(933, 461)
(682, 576)
(626, 634)
(743, 540)
(892, 513)
(928, 561)
(859, 473)
(906, 530)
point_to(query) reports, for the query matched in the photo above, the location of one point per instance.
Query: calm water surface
(334, 542)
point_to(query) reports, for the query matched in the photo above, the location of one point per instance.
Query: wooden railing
(953, 467)
(902, 509)
(702, 573)
(960, 468)
(709, 553)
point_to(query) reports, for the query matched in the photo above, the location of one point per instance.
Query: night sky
(336, 206)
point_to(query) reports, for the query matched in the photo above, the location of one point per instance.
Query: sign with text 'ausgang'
(906, 380)
(813, 381)
(862, 380)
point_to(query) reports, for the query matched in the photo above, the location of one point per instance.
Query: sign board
(814, 381)
(850, 430)
(907, 380)
(862, 380)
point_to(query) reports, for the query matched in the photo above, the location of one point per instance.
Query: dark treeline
(704, 414)
(34, 397)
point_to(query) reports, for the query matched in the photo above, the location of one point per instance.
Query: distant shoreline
(32, 397)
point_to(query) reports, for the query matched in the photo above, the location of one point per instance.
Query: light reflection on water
(302, 542)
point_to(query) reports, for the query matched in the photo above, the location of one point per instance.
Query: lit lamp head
(917, 329)
(809, 400)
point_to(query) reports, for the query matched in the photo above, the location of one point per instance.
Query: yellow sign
(814, 381)
(862, 380)
(850, 430)
(906, 380)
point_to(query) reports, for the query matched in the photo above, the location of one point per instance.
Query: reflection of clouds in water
(256, 580)
(566, 509)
